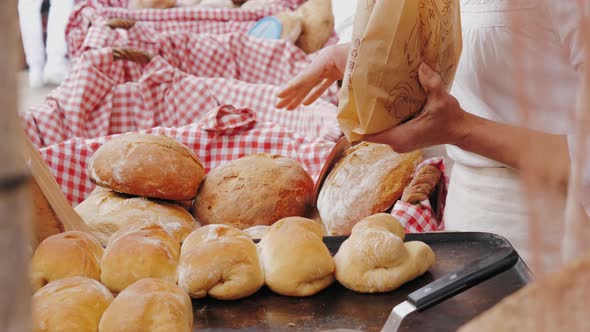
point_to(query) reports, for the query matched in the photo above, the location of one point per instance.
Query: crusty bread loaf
(155, 4)
(318, 24)
(254, 190)
(153, 166)
(368, 179)
(296, 261)
(64, 255)
(220, 261)
(73, 304)
(149, 305)
(137, 252)
(555, 302)
(375, 259)
(422, 185)
(107, 212)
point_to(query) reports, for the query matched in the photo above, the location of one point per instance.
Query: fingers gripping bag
(390, 40)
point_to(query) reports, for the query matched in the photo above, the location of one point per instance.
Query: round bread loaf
(152, 305)
(107, 212)
(375, 258)
(254, 190)
(221, 261)
(154, 166)
(296, 261)
(73, 304)
(137, 252)
(154, 4)
(368, 179)
(64, 255)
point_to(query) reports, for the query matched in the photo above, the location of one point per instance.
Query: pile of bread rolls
(149, 255)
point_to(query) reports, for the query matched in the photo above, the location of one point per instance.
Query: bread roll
(258, 4)
(368, 179)
(147, 165)
(221, 261)
(107, 212)
(149, 305)
(296, 261)
(73, 304)
(187, 205)
(254, 190)
(422, 185)
(555, 302)
(64, 255)
(318, 24)
(156, 4)
(375, 259)
(292, 25)
(137, 252)
(256, 232)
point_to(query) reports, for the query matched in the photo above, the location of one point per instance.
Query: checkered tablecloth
(237, 56)
(174, 20)
(418, 218)
(223, 134)
(97, 100)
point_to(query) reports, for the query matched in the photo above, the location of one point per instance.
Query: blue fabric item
(267, 28)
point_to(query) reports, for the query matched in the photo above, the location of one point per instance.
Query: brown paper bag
(390, 40)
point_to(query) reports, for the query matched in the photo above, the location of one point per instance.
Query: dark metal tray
(338, 307)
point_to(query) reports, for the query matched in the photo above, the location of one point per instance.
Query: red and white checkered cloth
(174, 20)
(223, 134)
(238, 56)
(421, 217)
(95, 100)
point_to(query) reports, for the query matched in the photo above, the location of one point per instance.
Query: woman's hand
(442, 121)
(310, 84)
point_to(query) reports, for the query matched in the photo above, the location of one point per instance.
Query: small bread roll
(64, 255)
(107, 212)
(149, 305)
(291, 25)
(368, 179)
(137, 252)
(73, 304)
(375, 259)
(318, 24)
(155, 4)
(221, 261)
(147, 165)
(296, 261)
(254, 190)
(256, 232)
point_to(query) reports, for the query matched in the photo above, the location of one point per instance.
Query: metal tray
(338, 307)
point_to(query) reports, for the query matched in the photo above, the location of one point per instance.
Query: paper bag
(390, 40)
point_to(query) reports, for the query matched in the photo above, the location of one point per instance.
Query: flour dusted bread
(220, 261)
(375, 259)
(153, 166)
(296, 261)
(256, 232)
(254, 190)
(139, 251)
(149, 305)
(556, 302)
(107, 212)
(368, 179)
(155, 4)
(73, 304)
(317, 24)
(64, 255)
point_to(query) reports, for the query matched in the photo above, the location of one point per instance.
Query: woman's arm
(442, 121)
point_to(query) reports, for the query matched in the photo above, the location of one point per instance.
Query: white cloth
(343, 11)
(32, 31)
(548, 57)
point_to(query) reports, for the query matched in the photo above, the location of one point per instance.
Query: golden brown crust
(296, 261)
(71, 304)
(146, 251)
(254, 190)
(65, 255)
(153, 166)
(368, 179)
(422, 185)
(105, 212)
(149, 305)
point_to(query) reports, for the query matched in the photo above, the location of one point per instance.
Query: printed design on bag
(432, 27)
(356, 43)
